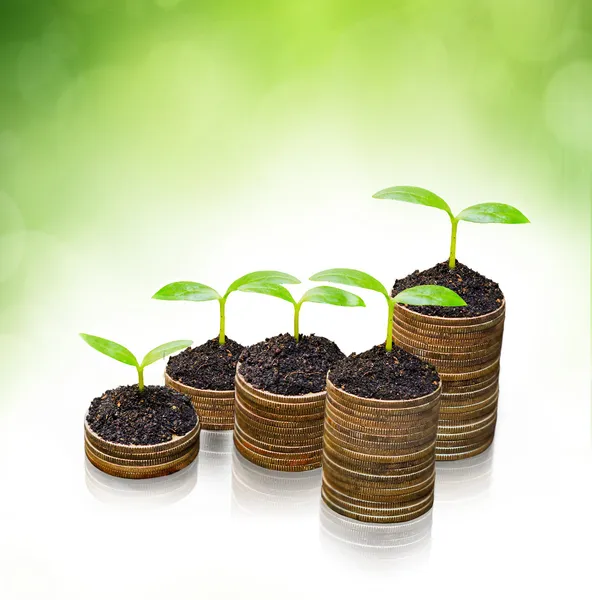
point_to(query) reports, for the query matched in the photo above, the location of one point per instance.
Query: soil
(481, 294)
(210, 366)
(127, 416)
(376, 373)
(281, 365)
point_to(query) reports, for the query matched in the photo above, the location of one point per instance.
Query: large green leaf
(414, 195)
(164, 350)
(351, 277)
(112, 349)
(433, 295)
(326, 294)
(269, 289)
(259, 276)
(187, 290)
(492, 212)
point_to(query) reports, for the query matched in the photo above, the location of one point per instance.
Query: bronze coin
(276, 446)
(287, 464)
(307, 455)
(287, 421)
(452, 321)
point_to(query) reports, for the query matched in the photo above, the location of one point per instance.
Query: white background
(515, 521)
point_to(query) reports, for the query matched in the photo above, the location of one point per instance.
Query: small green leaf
(164, 350)
(187, 290)
(351, 277)
(432, 295)
(414, 195)
(326, 294)
(109, 348)
(269, 289)
(492, 212)
(257, 276)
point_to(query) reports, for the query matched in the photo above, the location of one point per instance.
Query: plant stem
(452, 259)
(140, 378)
(389, 326)
(222, 336)
(297, 321)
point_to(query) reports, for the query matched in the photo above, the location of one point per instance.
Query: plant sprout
(122, 354)
(489, 212)
(323, 294)
(421, 295)
(198, 292)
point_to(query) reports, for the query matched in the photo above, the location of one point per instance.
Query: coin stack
(378, 456)
(283, 433)
(141, 462)
(466, 352)
(215, 408)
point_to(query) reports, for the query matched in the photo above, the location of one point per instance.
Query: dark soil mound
(481, 294)
(127, 416)
(206, 367)
(376, 373)
(282, 365)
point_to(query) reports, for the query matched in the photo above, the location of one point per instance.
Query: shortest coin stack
(379, 456)
(142, 462)
(283, 433)
(215, 408)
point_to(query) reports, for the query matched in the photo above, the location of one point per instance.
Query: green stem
(389, 326)
(297, 321)
(140, 378)
(452, 259)
(222, 336)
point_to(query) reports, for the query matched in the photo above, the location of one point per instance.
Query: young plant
(122, 354)
(198, 292)
(421, 295)
(323, 294)
(489, 212)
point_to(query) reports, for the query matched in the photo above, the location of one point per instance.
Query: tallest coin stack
(466, 352)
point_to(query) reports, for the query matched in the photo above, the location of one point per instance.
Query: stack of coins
(215, 408)
(283, 433)
(466, 352)
(141, 462)
(378, 456)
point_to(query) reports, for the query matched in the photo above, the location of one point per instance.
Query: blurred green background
(115, 113)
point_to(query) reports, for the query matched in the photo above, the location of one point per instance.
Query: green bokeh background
(111, 108)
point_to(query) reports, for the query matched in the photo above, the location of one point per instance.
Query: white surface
(515, 521)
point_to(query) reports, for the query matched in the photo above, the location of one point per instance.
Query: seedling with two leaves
(488, 212)
(122, 354)
(198, 292)
(421, 295)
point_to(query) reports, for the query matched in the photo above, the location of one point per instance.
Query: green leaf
(492, 212)
(112, 349)
(187, 290)
(269, 289)
(326, 294)
(257, 276)
(351, 277)
(432, 295)
(414, 195)
(164, 350)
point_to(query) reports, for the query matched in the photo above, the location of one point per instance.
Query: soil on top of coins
(481, 294)
(282, 365)
(376, 373)
(125, 415)
(211, 366)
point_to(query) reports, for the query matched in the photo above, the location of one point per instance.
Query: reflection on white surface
(215, 456)
(376, 542)
(258, 491)
(141, 493)
(464, 479)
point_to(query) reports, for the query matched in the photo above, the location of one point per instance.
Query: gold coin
(284, 446)
(288, 464)
(375, 519)
(218, 426)
(305, 455)
(286, 420)
(440, 456)
(460, 375)
(377, 441)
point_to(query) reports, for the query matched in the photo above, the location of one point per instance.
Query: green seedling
(421, 295)
(489, 212)
(323, 294)
(122, 354)
(198, 292)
